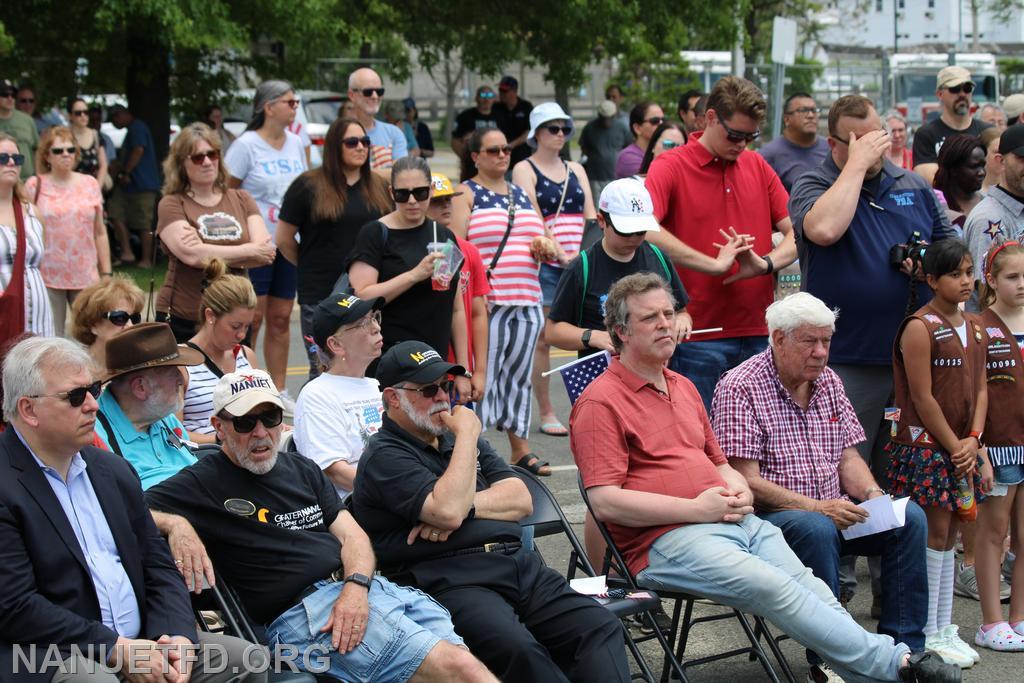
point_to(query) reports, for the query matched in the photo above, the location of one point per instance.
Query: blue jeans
(904, 581)
(749, 566)
(404, 625)
(703, 362)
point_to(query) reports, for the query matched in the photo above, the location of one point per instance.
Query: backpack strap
(207, 361)
(586, 282)
(111, 437)
(664, 263)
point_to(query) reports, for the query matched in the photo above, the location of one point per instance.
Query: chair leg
(756, 648)
(773, 645)
(672, 663)
(638, 657)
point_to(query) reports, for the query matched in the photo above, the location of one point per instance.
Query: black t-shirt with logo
(267, 534)
(929, 138)
(468, 120)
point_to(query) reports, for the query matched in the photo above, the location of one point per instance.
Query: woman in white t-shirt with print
(340, 410)
(264, 161)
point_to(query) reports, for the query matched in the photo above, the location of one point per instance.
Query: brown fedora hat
(149, 345)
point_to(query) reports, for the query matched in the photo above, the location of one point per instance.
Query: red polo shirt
(695, 195)
(626, 433)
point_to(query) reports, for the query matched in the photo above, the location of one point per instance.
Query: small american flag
(578, 374)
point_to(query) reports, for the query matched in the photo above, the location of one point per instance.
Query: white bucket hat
(545, 113)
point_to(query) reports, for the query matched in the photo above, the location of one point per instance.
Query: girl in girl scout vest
(1002, 295)
(939, 379)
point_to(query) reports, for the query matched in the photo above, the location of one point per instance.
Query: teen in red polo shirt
(707, 186)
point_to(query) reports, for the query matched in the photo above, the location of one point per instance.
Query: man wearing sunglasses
(468, 120)
(387, 142)
(87, 579)
(703, 191)
(799, 148)
(443, 511)
(280, 535)
(953, 88)
(19, 126)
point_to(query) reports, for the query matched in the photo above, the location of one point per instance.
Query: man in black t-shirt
(279, 534)
(576, 319)
(468, 120)
(514, 113)
(443, 510)
(953, 87)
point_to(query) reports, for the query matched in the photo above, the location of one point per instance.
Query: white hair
(799, 310)
(27, 361)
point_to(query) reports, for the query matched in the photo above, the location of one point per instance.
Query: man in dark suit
(88, 590)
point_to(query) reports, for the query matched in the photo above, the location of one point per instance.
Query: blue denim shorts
(1009, 475)
(279, 279)
(403, 626)
(549, 277)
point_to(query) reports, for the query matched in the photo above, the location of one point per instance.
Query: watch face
(360, 579)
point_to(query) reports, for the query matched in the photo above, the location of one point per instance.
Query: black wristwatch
(771, 266)
(586, 338)
(359, 580)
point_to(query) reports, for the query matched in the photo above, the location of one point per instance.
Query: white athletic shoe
(1001, 638)
(289, 403)
(940, 645)
(952, 633)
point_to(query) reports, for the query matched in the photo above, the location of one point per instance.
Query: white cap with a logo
(630, 206)
(239, 392)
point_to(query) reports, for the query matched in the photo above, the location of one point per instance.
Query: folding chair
(548, 519)
(614, 562)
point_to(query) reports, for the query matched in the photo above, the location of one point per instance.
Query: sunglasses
(370, 92)
(80, 112)
(246, 423)
(430, 391)
(57, 151)
(365, 322)
(655, 120)
(293, 103)
(486, 95)
(555, 130)
(354, 142)
(498, 150)
(962, 88)
(804, 111)
(76, 396)
(197, 158)
(669, 144)
(627, 234)
(739, 135)
(417, 193)
(8, 159)
(121, 318)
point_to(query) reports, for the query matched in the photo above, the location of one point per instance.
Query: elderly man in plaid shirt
(785, 423)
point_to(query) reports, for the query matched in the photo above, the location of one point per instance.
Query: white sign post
(783, 55)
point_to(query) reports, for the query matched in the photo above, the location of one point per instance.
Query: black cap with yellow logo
(413, 361)
(340, 308)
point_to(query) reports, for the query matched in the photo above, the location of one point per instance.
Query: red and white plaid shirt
(754, 417)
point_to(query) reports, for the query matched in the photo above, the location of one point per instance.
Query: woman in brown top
(200, 218)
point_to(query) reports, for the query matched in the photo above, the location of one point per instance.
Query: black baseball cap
(6, 87)
(1012, 140)
(340, 308)
(413, 361)
(508, 83)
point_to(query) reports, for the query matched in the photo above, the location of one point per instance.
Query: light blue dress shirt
(119, 609)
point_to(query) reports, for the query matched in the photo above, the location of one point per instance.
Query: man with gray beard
(443, 511)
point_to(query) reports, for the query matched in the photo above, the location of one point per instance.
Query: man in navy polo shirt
(848, 213)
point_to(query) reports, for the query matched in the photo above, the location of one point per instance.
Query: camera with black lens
(913, 249)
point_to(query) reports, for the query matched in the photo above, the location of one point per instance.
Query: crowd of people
(786, 333)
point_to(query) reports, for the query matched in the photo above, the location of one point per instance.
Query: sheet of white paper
(885, 513)
(590, 585)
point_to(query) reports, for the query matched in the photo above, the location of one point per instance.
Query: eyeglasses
(669, 144)
(373, 318)
(293, 103)
(441, 201)
(7, 94)
(417, 193)
(430, 391)
(244, 424)
(739, 135)
(197, 158)
(26, 100)
(370, 92)
(11, 159)
(805, 110)
(76, 396)
(121, 318)
(354, 142)
(847, 140)
(487, 95)
(57, 151)
(655, 120)
(80, 112)
(967, 87)
(498, 150)
(555, 130)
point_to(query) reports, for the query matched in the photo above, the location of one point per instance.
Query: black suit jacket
(46, 592)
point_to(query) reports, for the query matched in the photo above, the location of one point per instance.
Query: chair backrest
(613, 561)
(205, 449)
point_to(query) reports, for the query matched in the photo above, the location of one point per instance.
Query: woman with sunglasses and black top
(327, 207)
(666, 136)
(499, 218)
(391, 260)
(92, 157)
(644, 119)
(200, 218)
(102, 310)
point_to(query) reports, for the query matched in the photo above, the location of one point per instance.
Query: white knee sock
(933, 558)
(944, 614)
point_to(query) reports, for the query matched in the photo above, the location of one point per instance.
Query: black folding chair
(548, 519)
(683, 620)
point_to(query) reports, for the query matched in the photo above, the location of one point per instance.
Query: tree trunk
(562, 98)
(148, 83)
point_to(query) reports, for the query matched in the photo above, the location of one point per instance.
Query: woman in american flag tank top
(482, 216)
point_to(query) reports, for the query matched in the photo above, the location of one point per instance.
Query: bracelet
(111, 274)
(771, 266)
(872, 490)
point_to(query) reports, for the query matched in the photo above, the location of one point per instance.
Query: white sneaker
(823, 673)
(952, 633)
(1001, 638)
(940, 645)
(289, 403)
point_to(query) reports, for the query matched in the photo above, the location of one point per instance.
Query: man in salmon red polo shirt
(682, 516)
(713, 184)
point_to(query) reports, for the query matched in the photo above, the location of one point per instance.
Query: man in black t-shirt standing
(482, 115)
(279, 534)
(514, 113)
(443, 510)
(953, 87)
(626, 215)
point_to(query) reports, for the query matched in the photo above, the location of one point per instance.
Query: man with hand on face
(299, 562)
(443, 510)
(387, 141)
(953, 88)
